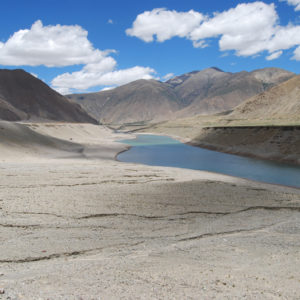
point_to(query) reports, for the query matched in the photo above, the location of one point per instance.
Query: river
(157, 150)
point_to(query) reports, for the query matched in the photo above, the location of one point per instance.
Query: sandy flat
(76, 224)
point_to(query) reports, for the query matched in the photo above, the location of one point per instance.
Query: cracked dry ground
(110, 230)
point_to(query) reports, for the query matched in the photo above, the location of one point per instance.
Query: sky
(84, 46)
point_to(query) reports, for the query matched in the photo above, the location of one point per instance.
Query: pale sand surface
(75, 224)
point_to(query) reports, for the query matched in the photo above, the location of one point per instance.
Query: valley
(150, 150)
(76, 222)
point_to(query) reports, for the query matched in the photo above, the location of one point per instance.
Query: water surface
(157, 150)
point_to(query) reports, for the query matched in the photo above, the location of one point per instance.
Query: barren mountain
(281, 102)
(200, 92)
(141, 100)
(24, 97)
(213, 91)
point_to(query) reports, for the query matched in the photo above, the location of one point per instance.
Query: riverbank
(278, 143)
(76, 224)
(158, 150)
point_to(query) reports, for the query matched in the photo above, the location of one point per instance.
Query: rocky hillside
(212, 91)
(141, 100)
(281, 102)
(280, 143)
(200, 92)
(24, 97)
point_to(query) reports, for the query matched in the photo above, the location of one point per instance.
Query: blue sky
(89, 45)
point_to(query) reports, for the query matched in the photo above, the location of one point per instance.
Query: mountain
(141, 100)
(208, 91)
(24, 97)
(281, 102)
(212, 90)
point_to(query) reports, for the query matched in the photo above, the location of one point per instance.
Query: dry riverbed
(89, 227)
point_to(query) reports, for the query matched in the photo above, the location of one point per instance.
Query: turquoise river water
(157, 150)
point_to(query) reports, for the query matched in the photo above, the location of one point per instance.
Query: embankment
(281, 143)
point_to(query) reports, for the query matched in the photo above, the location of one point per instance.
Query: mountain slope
(10, 113)
(213, 91)
(281, 102)
(22, 97)
(200, 92)
(141, 100)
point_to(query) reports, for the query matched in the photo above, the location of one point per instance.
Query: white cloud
(168, 76)
(110, 21)
(108, 88)
(274, 55)
(248, 29)
(284, 38)
(200, 44)
(60, 45)
(91, 76)
(164, 24)
(297, 53)
(244, 28)
(52, 46)
(293, 3)
(63, 91)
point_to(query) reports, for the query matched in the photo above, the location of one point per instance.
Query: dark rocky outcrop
(24, 97)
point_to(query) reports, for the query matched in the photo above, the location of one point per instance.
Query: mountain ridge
(208, 91)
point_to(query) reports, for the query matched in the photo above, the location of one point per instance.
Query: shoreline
(232, 153)
(272, 143)
(250, 155)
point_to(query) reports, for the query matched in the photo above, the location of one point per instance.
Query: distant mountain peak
(193, 72)
(217, 69)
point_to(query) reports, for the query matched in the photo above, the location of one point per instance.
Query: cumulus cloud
(274, 55)
(108, 88)
(284, 38)
(168, 76)
(92, 76)
(297, 54)
(164, 24)
(293, 3)
(63, 91)
(101, 73)
(60, 46)
(248, 29)
(244, 28)
(52, 46)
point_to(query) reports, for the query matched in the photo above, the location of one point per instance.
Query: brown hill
(24, 97)
(212, 90)
(200, 92)
(138, 101)
(279, 103)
